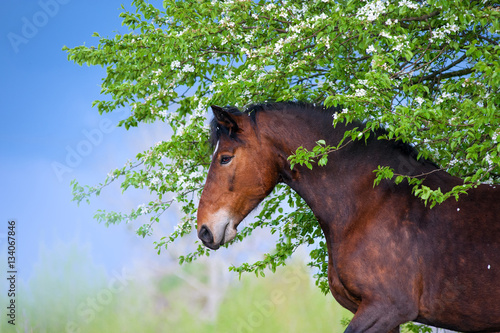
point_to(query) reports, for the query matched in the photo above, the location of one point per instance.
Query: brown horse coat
(391, 259)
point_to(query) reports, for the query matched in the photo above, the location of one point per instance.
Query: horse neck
(343, 188)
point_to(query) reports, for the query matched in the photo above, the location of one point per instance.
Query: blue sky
(47, 118)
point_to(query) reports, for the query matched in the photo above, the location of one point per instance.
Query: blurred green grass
(69, 293)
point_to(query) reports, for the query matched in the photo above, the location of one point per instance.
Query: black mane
(253, 109)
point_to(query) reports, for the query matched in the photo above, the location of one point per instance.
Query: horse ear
(224, 118)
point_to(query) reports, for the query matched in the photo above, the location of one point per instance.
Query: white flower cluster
(175, 64)
(337, 114)
(295, 65)
(323, 16)
(399, 47)
(443, 97)
(391, 22)
(184, 226)
(385, 34)
(188, 68)
(371, 49)
(326, 41)
(419, 100)
(155, 180)
(179, 130)
(453, 162)
(371, 11)
(279, 45)
(226, 22)
(143, 209)
(188, 181)
(270, 6)
(489, 160)
(244, 50)
(360, 93)
(409, 4)
(472, 83)
(442, 32)
(400, 41)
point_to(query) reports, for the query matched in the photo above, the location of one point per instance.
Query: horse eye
(225, 159)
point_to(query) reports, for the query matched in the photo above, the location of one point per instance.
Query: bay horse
(392, 259)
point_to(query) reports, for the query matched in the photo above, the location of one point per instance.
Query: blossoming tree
(427, 71)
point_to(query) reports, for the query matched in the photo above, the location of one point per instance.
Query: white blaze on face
(215, 150)
(214, 154)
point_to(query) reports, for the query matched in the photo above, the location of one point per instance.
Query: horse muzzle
(221, 234)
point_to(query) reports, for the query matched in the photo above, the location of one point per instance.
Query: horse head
(242, 173)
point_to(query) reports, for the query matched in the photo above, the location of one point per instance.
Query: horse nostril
(205, 235)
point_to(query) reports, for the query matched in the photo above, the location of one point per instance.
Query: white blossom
(360, 93)
(155, 180)
(371, 11)
(175, 64)
(444, 96)
(188, 68)
(399, 47)
(409, 4)
(488, 160)
(323, 16)
(270, 6)
(180, 130)
(336, 114)
(419, 100)
(371, 49)
(326, 40)
(279, 46)
(391, 22)
(385, 34)
(442, 32)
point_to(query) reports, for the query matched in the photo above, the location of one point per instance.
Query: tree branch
(489, 40)
(441, 75)
(422, 18)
